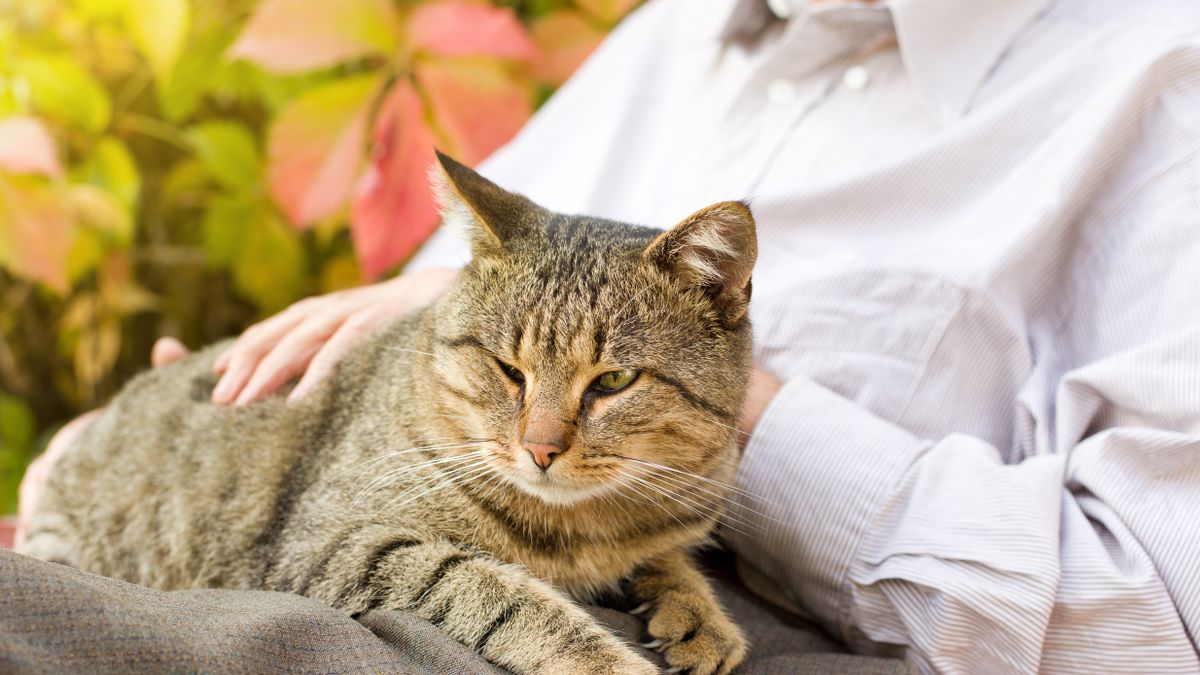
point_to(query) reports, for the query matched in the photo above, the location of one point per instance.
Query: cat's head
(592, 351)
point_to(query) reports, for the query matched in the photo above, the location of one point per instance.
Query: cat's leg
(684, 619)
(501, 611)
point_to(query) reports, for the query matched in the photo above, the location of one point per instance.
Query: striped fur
(403, 483)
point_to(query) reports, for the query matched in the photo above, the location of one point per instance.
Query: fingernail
(297, 395)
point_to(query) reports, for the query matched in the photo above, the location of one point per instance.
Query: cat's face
(591, 352)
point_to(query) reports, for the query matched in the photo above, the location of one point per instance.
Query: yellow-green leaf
(159, 29)
(264, 256)
(229, 152)
(100, 210)
(111, 166)
(86, 254)
(198, 66)
(96, 353)
(62, 90)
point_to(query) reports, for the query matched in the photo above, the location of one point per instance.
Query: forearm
(940, 546)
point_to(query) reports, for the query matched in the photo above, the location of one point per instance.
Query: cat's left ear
(492, 216)
(714, 249)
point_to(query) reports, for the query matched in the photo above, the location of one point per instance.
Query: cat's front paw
(694, 635)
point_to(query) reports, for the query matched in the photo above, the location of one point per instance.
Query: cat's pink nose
(542, 453)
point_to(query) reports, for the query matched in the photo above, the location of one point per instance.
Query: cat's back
(166, 488)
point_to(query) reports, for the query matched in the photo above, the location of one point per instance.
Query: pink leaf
(462, 28)
(315, 148)
(36, 231)
(394, 210)
(564, 39)
(26, 147)
(288, 36)
(476, 105)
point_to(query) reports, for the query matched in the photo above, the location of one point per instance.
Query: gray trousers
(56, 619)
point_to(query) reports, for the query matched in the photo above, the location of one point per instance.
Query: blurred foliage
(175, 167)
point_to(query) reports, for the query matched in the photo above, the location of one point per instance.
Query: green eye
(615, 380)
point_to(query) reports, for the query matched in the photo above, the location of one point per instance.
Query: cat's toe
(695, 638)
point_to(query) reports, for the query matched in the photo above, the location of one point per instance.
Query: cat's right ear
(491, 216)
(713, 249)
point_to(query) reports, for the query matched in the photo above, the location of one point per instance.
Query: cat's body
(463, 464)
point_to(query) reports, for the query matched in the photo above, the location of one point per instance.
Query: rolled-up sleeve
(940, 551)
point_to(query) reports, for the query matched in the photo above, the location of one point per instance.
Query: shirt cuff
(820, 466)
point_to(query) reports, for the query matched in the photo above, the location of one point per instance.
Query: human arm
(940, 550)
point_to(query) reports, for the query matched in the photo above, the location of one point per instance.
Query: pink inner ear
(715, 247)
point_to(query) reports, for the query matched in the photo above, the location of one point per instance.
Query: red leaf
(461, 28)
(476, 105)
(564, 40)
(394, 210)
(315, 148)
(288, 36)
(26, 147)
(36, 231)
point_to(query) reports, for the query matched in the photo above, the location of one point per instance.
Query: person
(974, 425)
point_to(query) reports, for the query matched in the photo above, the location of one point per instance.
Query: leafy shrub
(173, 167)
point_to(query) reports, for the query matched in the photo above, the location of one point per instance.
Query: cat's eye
(614, 380)
(511, 371)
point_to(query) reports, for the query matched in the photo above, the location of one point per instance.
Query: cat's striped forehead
(581, 290)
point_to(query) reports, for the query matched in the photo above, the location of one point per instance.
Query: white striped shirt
(979, 279)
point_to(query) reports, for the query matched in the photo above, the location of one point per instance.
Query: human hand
(33, 483)
(313, 335)
(762, 389)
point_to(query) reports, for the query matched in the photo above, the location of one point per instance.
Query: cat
(560, 423)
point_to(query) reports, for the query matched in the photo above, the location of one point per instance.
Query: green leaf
(229, 152)
(198, 67)
(61, 89)
(159, 29)
(17, 425)
(265, 256)
(87, 252)
(110, 166)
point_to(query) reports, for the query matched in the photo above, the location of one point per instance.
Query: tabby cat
(558, 424)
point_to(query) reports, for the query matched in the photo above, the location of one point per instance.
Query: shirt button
(781, 91)
(856, 78)
(782, 8)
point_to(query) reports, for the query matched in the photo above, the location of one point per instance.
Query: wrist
(760, 392)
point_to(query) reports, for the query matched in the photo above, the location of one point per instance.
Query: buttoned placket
(816, 53)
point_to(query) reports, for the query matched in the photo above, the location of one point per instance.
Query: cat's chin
(556, 492)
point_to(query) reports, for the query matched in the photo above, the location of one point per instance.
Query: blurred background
(186, 167)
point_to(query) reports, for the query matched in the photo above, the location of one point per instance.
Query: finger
(167, 350)
(350, 334)
(260, 337)
(290, 356)
(222, 362)
(249, 349)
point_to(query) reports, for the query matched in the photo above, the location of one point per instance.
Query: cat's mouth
(555, 489)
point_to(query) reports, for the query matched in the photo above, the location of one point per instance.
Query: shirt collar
(948, 46)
